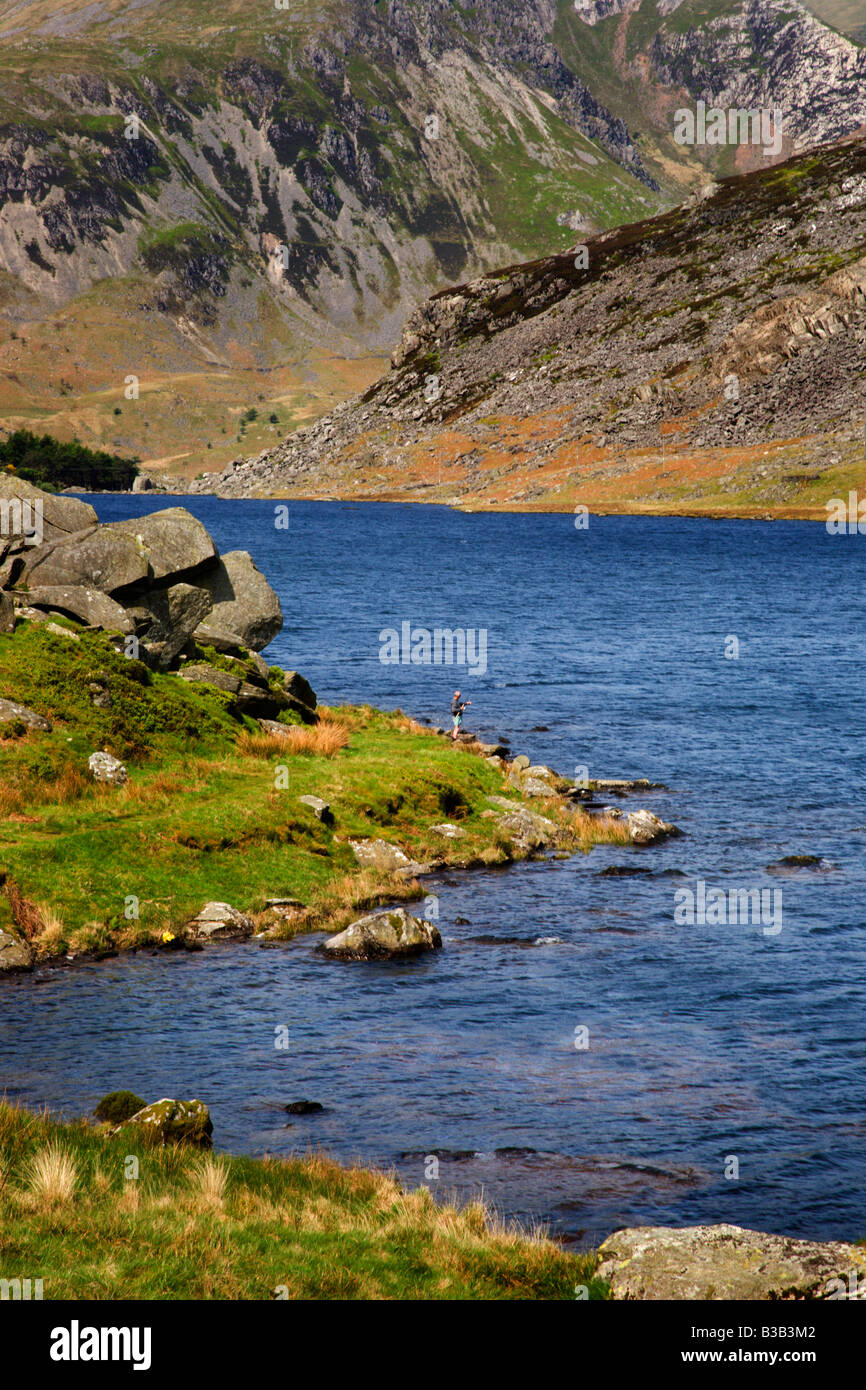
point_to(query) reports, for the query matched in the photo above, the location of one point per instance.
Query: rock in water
(175, 1122)
(104, 767)
(243, 600)
(644, 828)
(14, 953)
(384, 936)
(726, 1262)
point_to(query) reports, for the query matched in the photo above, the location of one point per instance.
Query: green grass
(197, 1227)
(206, 817)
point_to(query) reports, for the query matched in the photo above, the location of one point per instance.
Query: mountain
(213, 223)
(710, 359)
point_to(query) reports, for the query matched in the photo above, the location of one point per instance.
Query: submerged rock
(383, 936)
(726, 1262)
(304, 1107)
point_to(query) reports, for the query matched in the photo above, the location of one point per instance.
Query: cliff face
(710, 357)
(254, 199)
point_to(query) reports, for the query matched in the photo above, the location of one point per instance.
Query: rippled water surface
(706, 1042)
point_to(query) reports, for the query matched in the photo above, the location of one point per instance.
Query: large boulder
(726, 1262)
(384, 936)
(79, 601)
(172, 541)
(13, 713)
(175, 1122)
(98, 558)
(60, 516)
(165, 620)
(14, 953)
(243, 600)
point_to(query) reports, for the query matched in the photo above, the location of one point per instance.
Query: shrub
(118, 1106)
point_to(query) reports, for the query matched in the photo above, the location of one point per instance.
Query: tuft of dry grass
(51, 1176)
(66, 785)
(318, 740)
(26, 915)
(208, 1178)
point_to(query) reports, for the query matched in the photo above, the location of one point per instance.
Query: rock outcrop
(158, 578)
(727, 1262)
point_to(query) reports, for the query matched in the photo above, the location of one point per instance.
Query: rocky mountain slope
(206, 212)
(711, 358)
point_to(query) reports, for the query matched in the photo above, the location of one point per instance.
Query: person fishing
(457, 708)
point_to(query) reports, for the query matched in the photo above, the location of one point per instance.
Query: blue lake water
(706, 1043)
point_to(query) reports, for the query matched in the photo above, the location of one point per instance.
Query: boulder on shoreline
(391, 859)
(159, 577)
(726, 1262)
(220, 922)
(389, 935)
(174, 1122)
(15, 954)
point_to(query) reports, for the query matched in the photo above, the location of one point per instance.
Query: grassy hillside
(193, 1227)
(207, 815)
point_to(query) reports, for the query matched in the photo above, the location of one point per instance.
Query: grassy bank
(198, 1226)
(211, 810)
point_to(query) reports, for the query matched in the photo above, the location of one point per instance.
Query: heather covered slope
(712, 359)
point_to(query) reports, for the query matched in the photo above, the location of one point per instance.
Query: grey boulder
(220, 922)
(166, 619)
(7, 613)
(14, 953)
(243, 600)
(644, 828)
(13, 713)
(60, 516)
(172, 541)
(726, 1262)
(105, 768)
(384, 936)
(97, 558)
(79, 601)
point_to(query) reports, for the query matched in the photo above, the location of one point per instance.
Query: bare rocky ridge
(732, 323)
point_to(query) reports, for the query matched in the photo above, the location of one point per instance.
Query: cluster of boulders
(157, 578)
(156, 583)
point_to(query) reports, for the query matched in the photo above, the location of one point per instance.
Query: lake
(721, 1073)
